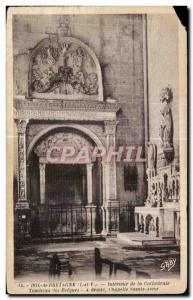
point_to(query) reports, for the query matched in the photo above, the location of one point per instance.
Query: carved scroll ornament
(63, 67)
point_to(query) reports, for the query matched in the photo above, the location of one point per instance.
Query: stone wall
(117, 42)
(163, 63)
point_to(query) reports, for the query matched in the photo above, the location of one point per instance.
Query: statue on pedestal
(166, 126)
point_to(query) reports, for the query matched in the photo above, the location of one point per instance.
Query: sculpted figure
(166, 126)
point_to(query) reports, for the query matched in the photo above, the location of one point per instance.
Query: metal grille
(75, 220)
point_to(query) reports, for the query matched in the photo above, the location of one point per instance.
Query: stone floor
(78, 261)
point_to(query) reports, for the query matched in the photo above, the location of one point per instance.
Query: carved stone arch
(64, 68)
(80, 128)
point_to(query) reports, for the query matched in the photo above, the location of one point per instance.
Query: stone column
(84, 186)
(89, 183)
(110, 173)
(22, 202)
(42, 167)
(104, 181)
(104, 209)
(91, 209)
(110, 166)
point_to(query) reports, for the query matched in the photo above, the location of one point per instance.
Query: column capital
(21, 125)
(110, 126)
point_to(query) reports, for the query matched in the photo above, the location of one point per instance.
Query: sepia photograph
(96, 120)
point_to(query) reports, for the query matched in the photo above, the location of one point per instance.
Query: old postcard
(96, 151)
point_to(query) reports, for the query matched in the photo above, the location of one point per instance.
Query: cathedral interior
(96, 81)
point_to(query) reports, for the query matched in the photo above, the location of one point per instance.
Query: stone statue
(166, 126)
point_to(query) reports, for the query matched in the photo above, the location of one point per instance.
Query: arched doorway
(65, 193)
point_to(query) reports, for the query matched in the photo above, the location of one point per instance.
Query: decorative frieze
(75, 105)
(65, 115)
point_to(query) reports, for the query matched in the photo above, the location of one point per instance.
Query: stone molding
(64, 115)
(63, 105)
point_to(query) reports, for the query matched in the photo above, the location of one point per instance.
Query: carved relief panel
(64, 68)
(61, 140)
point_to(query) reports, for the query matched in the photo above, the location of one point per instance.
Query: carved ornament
(63, 66)
(61, 139)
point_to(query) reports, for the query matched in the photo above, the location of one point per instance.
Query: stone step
(138, 239)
